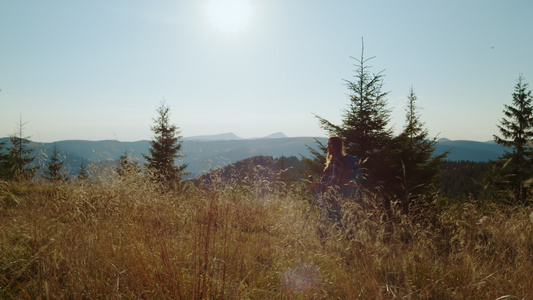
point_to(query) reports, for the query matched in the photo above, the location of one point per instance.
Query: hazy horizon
(217, 134)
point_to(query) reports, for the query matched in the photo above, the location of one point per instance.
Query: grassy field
(127, 238)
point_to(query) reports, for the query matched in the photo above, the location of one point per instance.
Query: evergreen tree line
(463, 180)
(458, 180)
(404, 167)
(16, 158)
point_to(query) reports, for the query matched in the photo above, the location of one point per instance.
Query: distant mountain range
(469, 150)
(231, 136)
(204, 153)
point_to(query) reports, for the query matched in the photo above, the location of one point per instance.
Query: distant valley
(204, 153)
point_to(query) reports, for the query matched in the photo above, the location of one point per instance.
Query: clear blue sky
(98, 69)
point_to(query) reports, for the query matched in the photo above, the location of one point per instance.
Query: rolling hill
(205, 153)
(469, 150)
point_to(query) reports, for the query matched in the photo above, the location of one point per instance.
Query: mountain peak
(276, 135)
(228, 136)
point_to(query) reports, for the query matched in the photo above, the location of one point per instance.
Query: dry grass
(125, 238)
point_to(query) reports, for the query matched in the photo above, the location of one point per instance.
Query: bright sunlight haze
(97, 70)
(229, 16)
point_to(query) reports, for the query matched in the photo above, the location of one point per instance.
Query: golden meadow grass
(124, 237)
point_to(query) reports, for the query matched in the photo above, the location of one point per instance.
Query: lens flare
(300, 278)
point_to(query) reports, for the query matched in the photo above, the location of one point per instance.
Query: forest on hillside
(461, 180)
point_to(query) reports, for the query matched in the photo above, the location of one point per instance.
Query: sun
(229, 16)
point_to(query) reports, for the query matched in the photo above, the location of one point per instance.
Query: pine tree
(414, 164)
(165, 149)
(364, 125)
(83, 173)
(21, 156)
(516, 128)
(128, 165)
(53, 171)
(315, 166)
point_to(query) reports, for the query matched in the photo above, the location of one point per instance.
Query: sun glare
(229, 16)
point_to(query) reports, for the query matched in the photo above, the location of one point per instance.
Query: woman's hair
(337, 149)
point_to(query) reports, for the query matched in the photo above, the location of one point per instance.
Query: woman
(329, 186)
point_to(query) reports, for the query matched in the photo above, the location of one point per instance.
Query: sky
(98, 70)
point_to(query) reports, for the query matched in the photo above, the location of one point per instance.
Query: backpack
(351, 174)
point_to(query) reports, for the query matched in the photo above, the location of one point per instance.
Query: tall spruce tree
(165, 149)
(516, 129)
(53, 171)
(414, 164)
(364, 124)
(20, 155)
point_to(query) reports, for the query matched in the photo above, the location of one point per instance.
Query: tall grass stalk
(123, 237)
